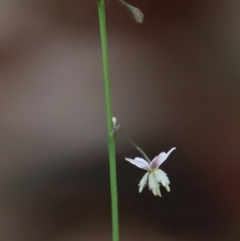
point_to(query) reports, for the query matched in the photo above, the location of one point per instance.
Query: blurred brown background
(175, 82)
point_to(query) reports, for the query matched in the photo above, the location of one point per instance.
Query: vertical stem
(111, 140)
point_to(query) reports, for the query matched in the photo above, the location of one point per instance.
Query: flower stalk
(111, 138)
(137, 147)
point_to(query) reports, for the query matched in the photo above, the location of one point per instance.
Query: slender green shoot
(111, 139)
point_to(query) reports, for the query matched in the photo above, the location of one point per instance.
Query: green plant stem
(111, 139)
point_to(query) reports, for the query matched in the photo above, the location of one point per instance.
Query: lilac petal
(139, 162)
(158, 160)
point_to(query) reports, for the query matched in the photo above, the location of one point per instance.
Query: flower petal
(161, 176)
(139, 162)
(158, 160)
(158, 191)
(153, 185)
(166, 186)
(143, 182)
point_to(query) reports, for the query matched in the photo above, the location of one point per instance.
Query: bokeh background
(175, 82)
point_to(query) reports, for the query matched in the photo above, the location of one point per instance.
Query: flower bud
(137, 14)
(114, 121)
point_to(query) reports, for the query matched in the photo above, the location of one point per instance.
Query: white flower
(154, 175)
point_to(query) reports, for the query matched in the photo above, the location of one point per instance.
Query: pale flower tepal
(154, 176)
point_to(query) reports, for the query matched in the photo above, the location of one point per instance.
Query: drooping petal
(143, 182)
(153, 185)
(151, 182)
(166, 186)
(161, 176)
(154, 191)
(158, 191)
(158, 160)
(139, 162)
